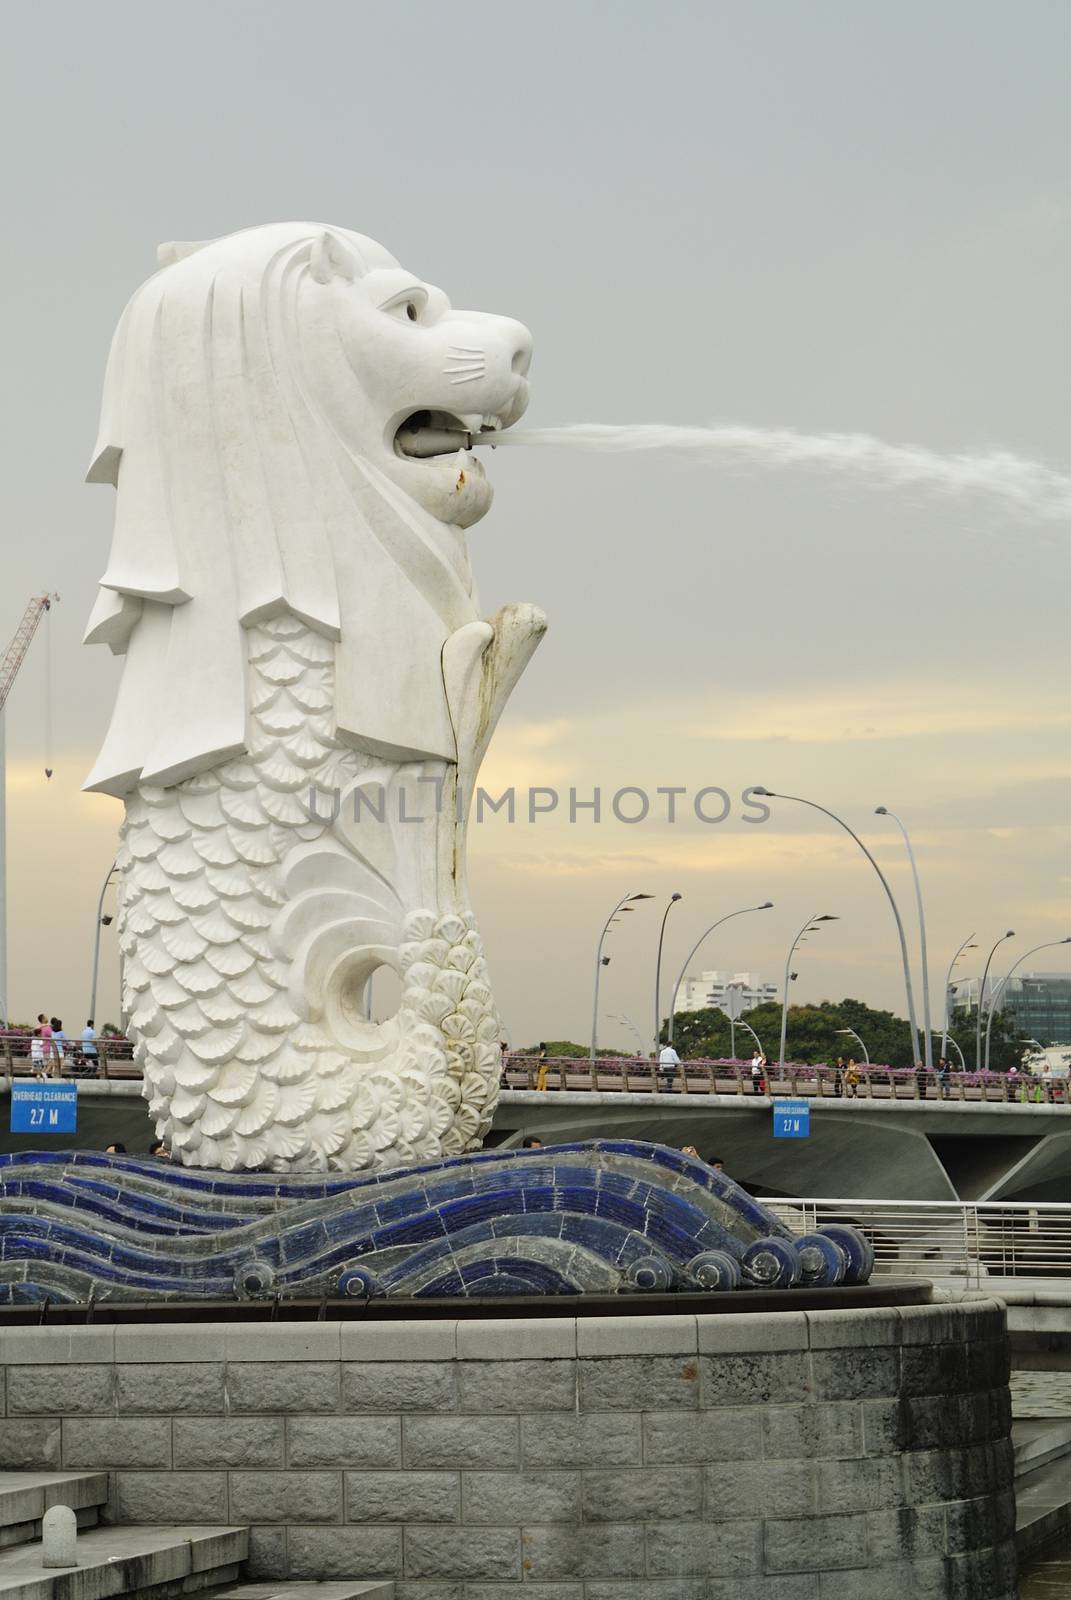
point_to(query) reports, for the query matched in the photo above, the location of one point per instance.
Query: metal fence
(973, 1240)
(21, 1057)
(627, 1074)
(641, 1075)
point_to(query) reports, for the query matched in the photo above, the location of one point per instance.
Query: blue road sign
(44, 1107)
(791, 1119)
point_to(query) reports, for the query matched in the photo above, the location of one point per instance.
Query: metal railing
(640, 1075)
(20, 1058)
(973, 1240)
(630, 1075)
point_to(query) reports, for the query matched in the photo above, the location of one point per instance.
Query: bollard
(59, 1530)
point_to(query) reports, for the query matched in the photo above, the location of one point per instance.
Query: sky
(826, 217)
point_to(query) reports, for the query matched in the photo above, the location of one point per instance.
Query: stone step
(293, 1589)
(26, 1496)
(1042, 1505)
(1036, 1443)
(142, 1562)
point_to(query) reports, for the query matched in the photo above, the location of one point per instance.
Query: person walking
(851, 1078)
(668, 1062)
(44, 1028)
(838, 1078)
(90, 1054)
(59, 1044)
(942, 1079)
(541, 1057)
(758, 1073)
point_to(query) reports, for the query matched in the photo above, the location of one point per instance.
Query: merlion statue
(307, 693)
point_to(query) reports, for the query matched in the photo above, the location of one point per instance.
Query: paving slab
(294, 1589)
(1038, 1441)
(1043, 1505)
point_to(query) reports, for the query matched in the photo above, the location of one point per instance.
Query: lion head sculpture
(287, 419)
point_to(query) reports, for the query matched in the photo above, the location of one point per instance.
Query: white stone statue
(307, 694)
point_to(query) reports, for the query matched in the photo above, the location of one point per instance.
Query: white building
(736, 992)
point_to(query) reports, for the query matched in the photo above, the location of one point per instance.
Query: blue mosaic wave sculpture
(599, 1217)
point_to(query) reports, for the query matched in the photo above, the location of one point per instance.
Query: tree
(813, 1035)
(1006, 1041)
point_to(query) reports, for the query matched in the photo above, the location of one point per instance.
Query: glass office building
(1040, 1003)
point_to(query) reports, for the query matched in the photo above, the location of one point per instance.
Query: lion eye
(411, 305)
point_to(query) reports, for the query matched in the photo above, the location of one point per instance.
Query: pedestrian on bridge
(48, 1049)
(668, 1062)
(89, 1047)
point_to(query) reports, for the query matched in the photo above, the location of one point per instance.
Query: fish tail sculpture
(308, 692)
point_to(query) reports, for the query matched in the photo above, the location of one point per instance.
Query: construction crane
(32, 617)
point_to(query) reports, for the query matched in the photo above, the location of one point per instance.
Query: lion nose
(518, 336)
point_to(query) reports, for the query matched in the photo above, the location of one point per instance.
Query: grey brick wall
(795, 1456)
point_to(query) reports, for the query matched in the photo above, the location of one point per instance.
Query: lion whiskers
(465, 363)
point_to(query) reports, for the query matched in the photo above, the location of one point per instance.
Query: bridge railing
(641, 1075)
(974, 1240)
(624, 1074)
(20, 1058)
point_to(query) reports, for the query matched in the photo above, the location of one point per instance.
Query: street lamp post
(619, 1016)
(733, 996)
(767, 905)
(101, 922)
(810, 926)
(981, 999)
(1050, 944)
(927, 1036)
(753, 1034)
(859, 1042)
(658, 973)
(959, 1052)
(622, 904)
(908, 988)
(966, 945)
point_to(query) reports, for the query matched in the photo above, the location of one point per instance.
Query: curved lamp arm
(832, 815)
(767, 905)
(1050, 944)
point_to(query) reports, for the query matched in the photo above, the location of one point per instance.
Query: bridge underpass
(874, 1149)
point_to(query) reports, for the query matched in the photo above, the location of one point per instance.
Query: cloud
(887, 709)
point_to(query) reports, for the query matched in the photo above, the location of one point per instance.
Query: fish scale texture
(249, 924)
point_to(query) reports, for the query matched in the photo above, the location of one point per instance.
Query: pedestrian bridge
(896, 1138)
(878, 1146)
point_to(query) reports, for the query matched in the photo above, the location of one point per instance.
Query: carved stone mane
(245, 440)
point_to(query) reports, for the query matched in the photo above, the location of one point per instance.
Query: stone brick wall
(826, 1455)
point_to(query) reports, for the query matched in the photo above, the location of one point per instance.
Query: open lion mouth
(441, 433)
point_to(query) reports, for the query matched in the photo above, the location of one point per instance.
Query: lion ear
(331, 258)
(177, 250)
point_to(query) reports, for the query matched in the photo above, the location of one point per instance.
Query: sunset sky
(832, 217)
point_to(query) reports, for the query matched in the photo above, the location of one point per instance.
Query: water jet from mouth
(1028, 485)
